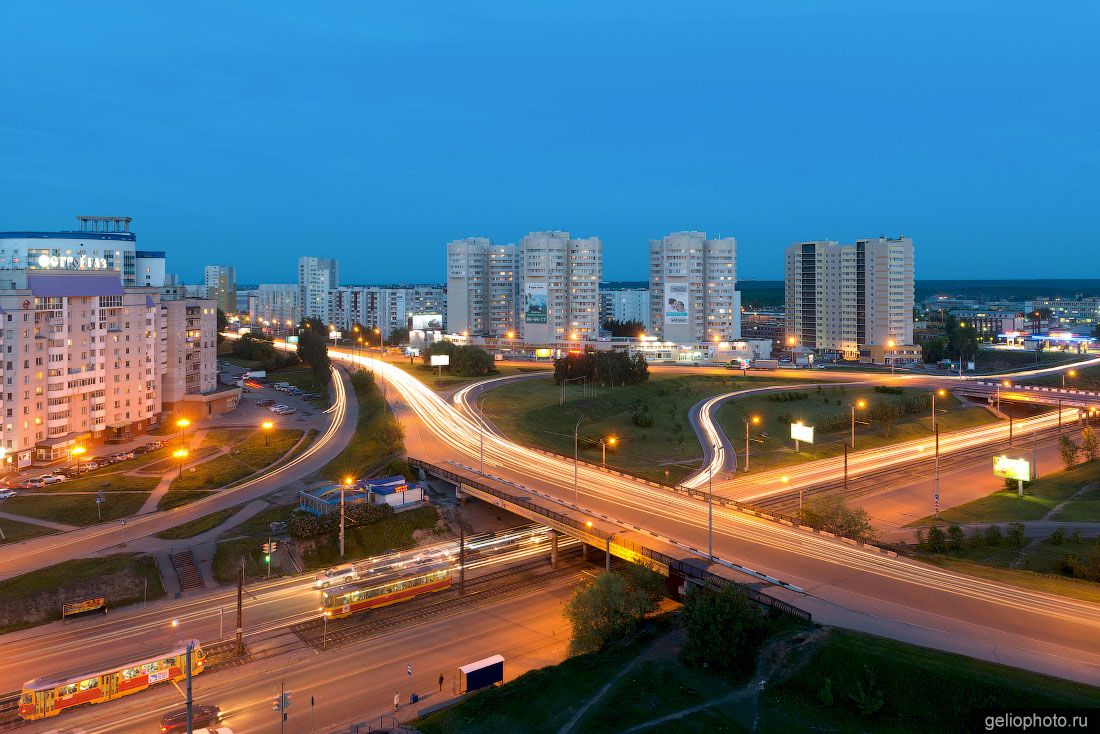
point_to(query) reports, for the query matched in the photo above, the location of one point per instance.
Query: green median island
(884, 415)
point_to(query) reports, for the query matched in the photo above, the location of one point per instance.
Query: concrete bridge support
(554, 549)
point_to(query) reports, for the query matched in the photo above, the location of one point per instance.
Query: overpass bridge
(630, 542)
(997, 390)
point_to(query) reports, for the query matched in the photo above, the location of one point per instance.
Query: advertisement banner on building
(676, 301)
(426, 322)
(802, 432)
(534, 303)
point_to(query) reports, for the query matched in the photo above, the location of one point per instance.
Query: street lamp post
(890, 344)
(941, 393)
(180, 455)
(347, 483)
(936, 498)
(604, 443)
(1071, 373)
(182, 424)
(267, 426)
(791, 341)
(576, 430)
(861, 404)
(710, 507)
(754, 420)
(75, 453)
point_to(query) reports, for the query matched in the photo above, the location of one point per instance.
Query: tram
(50, 695)
(345, 600)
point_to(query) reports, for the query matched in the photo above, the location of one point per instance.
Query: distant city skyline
(377, 134)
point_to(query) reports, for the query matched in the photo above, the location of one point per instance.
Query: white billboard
(1012, 468)
(802, 432)
(441, 360)
(534, 303)
(427, 322)
(676, 303)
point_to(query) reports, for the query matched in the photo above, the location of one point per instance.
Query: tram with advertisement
(342, 601)
(50, 695)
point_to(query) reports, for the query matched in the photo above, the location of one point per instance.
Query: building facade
(189, 345)
(625, 304)
(100, 243)
(276, 305)
(842, 299)
(385, 308)
(149, 269)
(221, 286)
(481, 287)
(560, 287)
(693, 288)
(316, 277)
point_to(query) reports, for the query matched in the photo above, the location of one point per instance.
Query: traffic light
(286, 700)
(275, 703)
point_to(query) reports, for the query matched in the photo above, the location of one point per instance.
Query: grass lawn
(16, 531)
(180, 497)
(1083, 508)
(228, 555)
(393, 533)
(35, 597)
(777, 448)
(165, 466)
(1043, 557)
(922, 690)
(995, 360)
(199, 525)
(430, 375)
(118, 483)
(76, 509)
(529, 412)
(377, 436)
(301, 377)
(249, 456)
(248, 364)
(540, 700)
(1040, 497)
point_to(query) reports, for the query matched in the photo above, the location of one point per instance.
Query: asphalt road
(845, 585)
(22, 557)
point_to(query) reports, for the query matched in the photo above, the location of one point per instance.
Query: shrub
(888, 390)
(955, 538)
(724, 630)
(993, 536)
(1015, 533)
(1057, 537)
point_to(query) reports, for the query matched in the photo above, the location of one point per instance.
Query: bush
(832, 514)
(606, 369)
(937, 540)
(955, 538)
(1057, 537)
(993, 536)
(1016, 533)
(788, 397)
(610, 608)
(643, 419)
(724, 630)
(888, 390)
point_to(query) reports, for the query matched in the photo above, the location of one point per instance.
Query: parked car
(200, 716)
(4, 494)
(88, 466)
(335, 576)
(50, 479)
(285, 411)
(264, 403)
(154, 445)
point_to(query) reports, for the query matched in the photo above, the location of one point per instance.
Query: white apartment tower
(316, 277)
(481, 287)
(693, 293)
(221, 286)
(560, 286)
(277, 305)
(842, 298)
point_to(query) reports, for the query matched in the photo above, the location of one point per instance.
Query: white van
(336, 575)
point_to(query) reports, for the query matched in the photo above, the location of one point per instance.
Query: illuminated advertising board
(427, 322)
(1008, 468)
(802, 432)
(543, 353)
(676, 303)
(441, 360)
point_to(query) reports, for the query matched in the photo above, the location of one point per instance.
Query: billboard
(676, 303)
(292, 339)
(802, 432)
(426, 322)
(441, 360)
(543, 352)
(336, 335)
(534, 303)
(1012, 468)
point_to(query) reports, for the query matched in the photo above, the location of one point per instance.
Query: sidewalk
(38, 521)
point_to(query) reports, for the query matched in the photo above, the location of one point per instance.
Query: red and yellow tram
(50, 695)
(344, 600)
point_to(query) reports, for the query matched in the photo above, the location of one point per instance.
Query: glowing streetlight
(1071, 373)
(755, 421)
(861, 404)
(180, 455)
(267, 426)
(182, 424)
(604, 443)
(791, 341)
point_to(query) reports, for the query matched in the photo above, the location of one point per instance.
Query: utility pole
(189, 701)
(936, 497)
(461, 551)
(481, 436)
(845, 467)
(240, 609)
(342, 519)
(710, 509)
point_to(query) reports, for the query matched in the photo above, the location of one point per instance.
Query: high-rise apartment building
(386, 308)
(481, 287)
(625, 304)
(693, 295)
(276, 305)
(316, 277)
(842, 299)
(221, 286)
(560, 287)
(189, 345)
(99, 244)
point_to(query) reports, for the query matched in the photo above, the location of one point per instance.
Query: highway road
(22, 557)
(845, 585)
(355, 683)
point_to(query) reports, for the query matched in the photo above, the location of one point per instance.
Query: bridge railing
(688, 569)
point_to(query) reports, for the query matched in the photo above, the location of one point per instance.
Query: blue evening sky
(252, 133)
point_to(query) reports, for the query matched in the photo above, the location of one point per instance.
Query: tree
(1089, 443)
(935, 349)
(609, 608)
(313, 350)
(1069, 450)
(223, 323)
(471, 360)
(724, 630)
(831, 513)
(624, 328)
(607, 369)
(398, 336)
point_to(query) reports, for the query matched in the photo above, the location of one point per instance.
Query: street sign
(410, 669)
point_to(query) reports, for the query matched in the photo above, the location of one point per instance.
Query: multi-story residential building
(316, 277)
(276, 305)
(149, 269)
(385, 308)
(481, 287)
(842, 299)
(196, 290)
(221, 286)
(1070, 311)
(693, 288)
(763, 325)
(100, 243)
(625, 304)
(560, 286)
(189, 345)
(86, 360)
(426, 299)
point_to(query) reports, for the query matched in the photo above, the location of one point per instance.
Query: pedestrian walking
(441, 683)
(396, 701)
